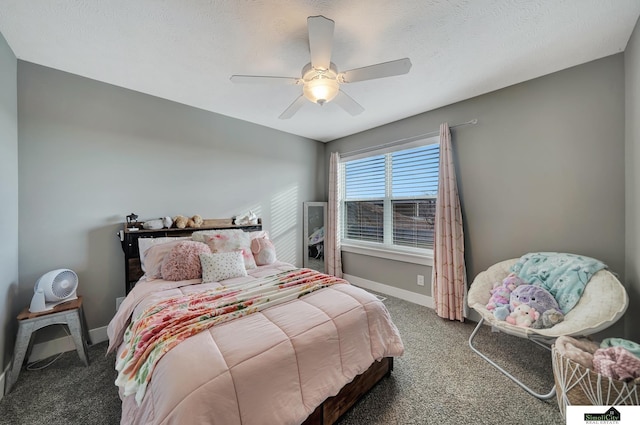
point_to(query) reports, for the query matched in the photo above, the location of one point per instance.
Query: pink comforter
(271, 367)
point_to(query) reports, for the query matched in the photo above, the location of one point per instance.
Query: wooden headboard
(129, 239)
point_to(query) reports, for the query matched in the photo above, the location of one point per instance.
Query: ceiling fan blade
(347, 103)
(293, 108)
(320, 41)
(259, 79)
(380, 70)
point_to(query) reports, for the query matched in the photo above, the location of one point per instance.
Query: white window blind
(389, 199)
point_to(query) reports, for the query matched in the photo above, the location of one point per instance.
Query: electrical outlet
(420, 280)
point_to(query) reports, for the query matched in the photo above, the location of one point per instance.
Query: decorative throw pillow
(232, 240)
(145, 243)
(258, 234)
(201, 235)
(263, 251)
(223, 265)
(154, 257)
(183, 261)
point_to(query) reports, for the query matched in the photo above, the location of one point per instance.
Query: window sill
(397, 255)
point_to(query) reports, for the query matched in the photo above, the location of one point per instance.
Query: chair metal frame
(540, 396)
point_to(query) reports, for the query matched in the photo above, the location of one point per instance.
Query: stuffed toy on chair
(501, 292)
(539, 299)
(501, 312)
(535, 296)
(548, 319)
(523, 316)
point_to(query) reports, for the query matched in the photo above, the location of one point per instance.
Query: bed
(303, 360)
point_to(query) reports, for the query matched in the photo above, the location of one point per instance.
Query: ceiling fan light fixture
(321, 90)
(321, 80)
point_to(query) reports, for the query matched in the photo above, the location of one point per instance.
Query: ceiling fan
(320, 79)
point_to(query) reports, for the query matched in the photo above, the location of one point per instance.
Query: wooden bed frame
(333, 407)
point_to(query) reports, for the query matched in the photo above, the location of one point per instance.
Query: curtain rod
(405, 140)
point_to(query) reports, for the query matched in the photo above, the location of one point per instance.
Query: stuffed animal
(154, 224)
(197, 221)
(501, 312)
(539, 299)
(182, 222)
(523, 315)
(548, 319)
(535, 296)
(167, 222)
(247, 219)
(501, 293)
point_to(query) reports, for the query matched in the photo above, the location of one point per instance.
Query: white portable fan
(320, 79)
(53, 288)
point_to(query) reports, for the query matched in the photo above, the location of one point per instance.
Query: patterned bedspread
(164, 325)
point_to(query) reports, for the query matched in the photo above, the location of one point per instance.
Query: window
(388, 198)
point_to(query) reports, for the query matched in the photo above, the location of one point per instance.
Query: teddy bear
(195, 221)
(501, 292)
(182, 222)
(523, 315)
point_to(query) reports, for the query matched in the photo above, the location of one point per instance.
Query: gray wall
(543, 170)
(91, 153)
(8, 199)
(632, 180)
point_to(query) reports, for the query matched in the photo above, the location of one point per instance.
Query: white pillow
(201, 235)
(226, 241)
(222, 265)
(145, 243)
(259, 234)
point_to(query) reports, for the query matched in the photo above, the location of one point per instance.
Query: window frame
(423, 256)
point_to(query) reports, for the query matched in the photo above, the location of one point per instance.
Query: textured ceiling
(186, 51)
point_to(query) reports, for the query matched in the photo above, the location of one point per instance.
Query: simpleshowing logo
(610, 416)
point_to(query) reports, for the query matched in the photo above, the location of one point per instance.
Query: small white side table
(69, 313)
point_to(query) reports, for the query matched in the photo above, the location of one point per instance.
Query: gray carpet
(66, 392)
(439, 380)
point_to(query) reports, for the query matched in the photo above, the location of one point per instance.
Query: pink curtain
(332, 253)
(449, 273)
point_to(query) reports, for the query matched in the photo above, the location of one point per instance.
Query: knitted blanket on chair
(563, 275)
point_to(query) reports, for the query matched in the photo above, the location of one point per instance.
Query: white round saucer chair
(603, 302)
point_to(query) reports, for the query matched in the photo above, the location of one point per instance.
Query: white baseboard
(403, 294)
(60, 345)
